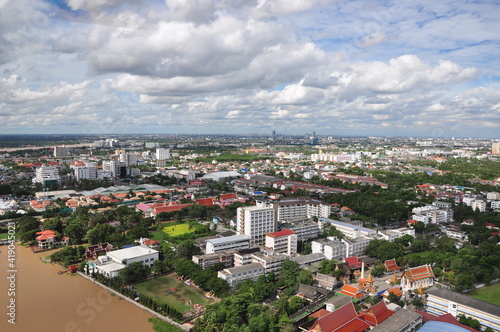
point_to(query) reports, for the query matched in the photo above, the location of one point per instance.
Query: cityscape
(308, 232)
(249, 166)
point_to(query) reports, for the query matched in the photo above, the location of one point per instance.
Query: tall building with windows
(47, 174)
(495, 148)
(86, 171)
(255, 221)
(61, 151)
(162, 154)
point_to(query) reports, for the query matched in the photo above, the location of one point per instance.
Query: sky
(336, 67)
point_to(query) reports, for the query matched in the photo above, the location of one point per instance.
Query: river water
(48, 302)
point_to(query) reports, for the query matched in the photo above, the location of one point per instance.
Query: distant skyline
(370, 68)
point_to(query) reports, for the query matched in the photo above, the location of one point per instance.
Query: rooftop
(132, 252)
(229, 239)
(465, 300)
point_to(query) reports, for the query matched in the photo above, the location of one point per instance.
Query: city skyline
(370, 68)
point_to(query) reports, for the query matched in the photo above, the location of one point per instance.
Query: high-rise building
(129, 159)
(116, 168)
(87, 171)
(162, 154)
(495, 148)
(256, 221)
(46, 174)
(61, 151)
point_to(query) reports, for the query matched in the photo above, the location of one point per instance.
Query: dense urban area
(267, 233)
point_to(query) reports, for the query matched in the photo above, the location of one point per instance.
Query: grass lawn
(489, 294)
(162, 326)
(178, 229)
(162, 289)
(3, 236)
(422, 254)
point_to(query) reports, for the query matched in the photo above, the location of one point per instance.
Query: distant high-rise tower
(162, 154)
(495, 148)
(61, 151)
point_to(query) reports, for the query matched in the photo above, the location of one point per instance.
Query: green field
(178, 229)
(162, 326)
(182, 299)
(420, 254)
(489, 294)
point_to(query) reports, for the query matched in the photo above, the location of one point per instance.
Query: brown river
(36, 298)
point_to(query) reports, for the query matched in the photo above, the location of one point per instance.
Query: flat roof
(132, 252)
(465, 300)
(309, 258)
(396, 322)
(229, 239)
(364, 229)
(244, 268)
(111, 267)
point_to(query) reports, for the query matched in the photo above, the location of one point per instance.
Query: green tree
(100, 233)
(305, 277)
(289, 273)
(134, 272)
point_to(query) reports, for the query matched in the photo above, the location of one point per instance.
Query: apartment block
(330, 247)
(255, 221)
(284, 242)
(227, 243)
(349, 230)
(237, 274)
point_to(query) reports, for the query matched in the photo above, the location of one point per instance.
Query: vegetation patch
(179, 229)
(173, 292)
(160, 325)
(489, 294)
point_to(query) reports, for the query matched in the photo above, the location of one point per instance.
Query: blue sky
(419, 68)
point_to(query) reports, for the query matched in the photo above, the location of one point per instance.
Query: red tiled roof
(351, 291)
(343, 319)
(285, 232)
(206, 201)
(353, 262)
(171, 208)
(419, 273)
(228, 196)
(391, 265)
(377, 314)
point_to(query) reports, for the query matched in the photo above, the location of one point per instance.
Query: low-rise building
(330, 247)
(441, 301)
(224, 257)
(357, 246)
(236, 242)
(237, 274)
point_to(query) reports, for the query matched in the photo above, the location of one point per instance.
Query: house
(48, 239)
(93, 251)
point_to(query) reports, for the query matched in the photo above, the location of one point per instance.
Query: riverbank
(45, 301)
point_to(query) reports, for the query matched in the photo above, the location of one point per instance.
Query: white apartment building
(432, 214)
(46, 173)
(237, 274)
(305, 231)
(227, 243)
(493, 195)
(89, 171)
(350, 231)
(300, 208)
(224, 257)
(255, 221)
(270, 263)
(393, 234)
(113, 166)
(479, 204)
(162, 154)
(284, 242)
(495, 205)
(330, 247)
(357, 246)
(244, 257)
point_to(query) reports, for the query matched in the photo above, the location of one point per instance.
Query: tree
(100, 234)
(378, 270)
(418, 303)
(137, 233)
(305, 277)
(289, 273)
(134, 272)
(76, 230)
